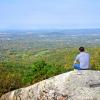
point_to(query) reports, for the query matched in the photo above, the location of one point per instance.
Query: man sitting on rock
(82, 61)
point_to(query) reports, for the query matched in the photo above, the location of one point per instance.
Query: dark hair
(81, 49)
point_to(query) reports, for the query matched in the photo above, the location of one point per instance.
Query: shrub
(9, 82)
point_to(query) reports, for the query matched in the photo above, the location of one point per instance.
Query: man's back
(84, 60)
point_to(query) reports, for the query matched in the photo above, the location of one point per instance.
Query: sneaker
(79, 72)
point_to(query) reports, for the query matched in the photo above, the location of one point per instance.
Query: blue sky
(49, 14)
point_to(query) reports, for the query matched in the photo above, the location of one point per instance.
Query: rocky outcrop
(67, 86)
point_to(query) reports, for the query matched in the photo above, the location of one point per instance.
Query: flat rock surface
(66, 86)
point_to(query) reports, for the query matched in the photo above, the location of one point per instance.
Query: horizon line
(48, 29)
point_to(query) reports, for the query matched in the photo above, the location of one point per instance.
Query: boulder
(66, 86)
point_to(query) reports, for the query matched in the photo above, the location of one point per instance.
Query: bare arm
(76, 60)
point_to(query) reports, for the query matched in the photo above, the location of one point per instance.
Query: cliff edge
(66, 86)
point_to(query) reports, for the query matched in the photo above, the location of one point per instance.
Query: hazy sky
(49, 14)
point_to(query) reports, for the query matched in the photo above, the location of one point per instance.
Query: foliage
(12, 78)
(9, 81)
